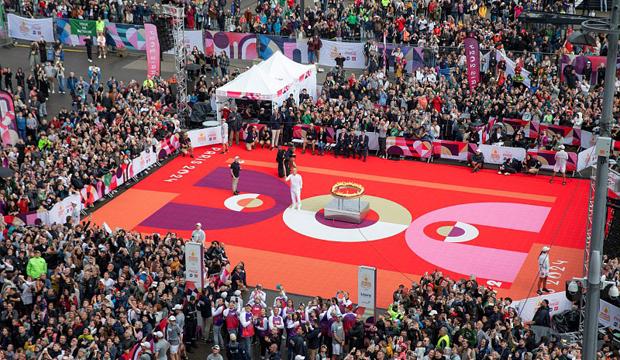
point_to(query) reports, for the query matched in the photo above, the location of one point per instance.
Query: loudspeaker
(566, 321)
(164, 33)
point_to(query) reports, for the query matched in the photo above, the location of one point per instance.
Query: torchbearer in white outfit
(296, 185)
(561, 157)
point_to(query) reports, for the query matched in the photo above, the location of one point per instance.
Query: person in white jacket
(276, 321)
(296, 185)
(247, 328)
(543, 270)
(217, 311)
(258, 296)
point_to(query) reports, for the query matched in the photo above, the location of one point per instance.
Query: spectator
(477, 161)
(37, 266)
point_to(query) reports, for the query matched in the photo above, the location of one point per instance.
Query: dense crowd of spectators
(108, 124)
(79, 291)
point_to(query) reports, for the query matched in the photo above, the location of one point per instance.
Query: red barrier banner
(514, 125)
(452, 150)
(547, 158)
(399, 146)
(570, 135)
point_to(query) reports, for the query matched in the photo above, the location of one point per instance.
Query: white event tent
(272, 80)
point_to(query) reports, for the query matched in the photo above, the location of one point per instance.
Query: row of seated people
(316, 139)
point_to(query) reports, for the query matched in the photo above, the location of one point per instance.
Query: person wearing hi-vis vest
(296, 185)
(444, 339)
(37, 266)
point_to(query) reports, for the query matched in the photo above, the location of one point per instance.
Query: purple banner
(472, 52)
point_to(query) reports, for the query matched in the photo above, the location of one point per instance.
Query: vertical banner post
(472, 53)
(194, 264)
(367, 290)
(152, 51)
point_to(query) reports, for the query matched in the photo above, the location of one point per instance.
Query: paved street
(124, 69)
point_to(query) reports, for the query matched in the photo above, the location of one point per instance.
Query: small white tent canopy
(272, 80)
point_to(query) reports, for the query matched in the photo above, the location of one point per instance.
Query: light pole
(610, 27)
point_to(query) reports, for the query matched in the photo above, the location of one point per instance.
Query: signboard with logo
(68, 207)
(494, 154)
(586, 158)
(204, 137)
(526, 308)
(30, 29)
(353, 54)
(609, 315)
(367, 287)
(194, 264)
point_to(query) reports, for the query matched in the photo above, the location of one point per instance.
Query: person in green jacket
(36, 265)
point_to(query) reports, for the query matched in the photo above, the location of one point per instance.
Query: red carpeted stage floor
(423, 217)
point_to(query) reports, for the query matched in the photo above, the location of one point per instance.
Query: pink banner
(472, 52)
(152, 50)
(8, 126)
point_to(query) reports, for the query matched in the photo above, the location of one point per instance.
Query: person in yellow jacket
(148, 84)
(396, 312)
(482, 11)
(100, 26)
(444, 339)
(36, 265)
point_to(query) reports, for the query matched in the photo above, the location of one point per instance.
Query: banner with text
(30, 29)
(117, 177)
(83, 27)
(472, 54)
(152, 51)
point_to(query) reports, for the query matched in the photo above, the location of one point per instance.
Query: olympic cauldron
(346, 204)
